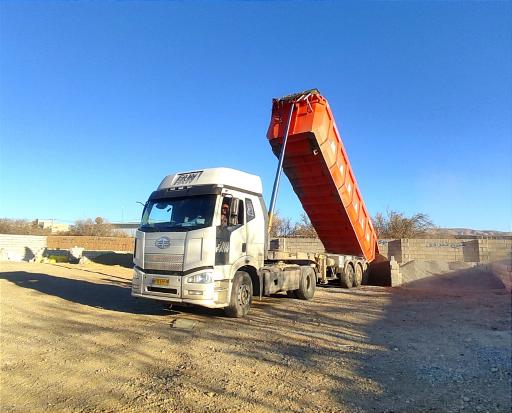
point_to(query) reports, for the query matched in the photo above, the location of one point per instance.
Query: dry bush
(304, 228)
(281, 227)
(100, 227)
(395, 225)
(21, 227)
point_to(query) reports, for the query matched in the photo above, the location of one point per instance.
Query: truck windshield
(178, 214)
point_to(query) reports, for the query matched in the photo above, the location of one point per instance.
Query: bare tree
(21, 227)
(395, 225)
(100, 227)
(304, 228)
(281, 226)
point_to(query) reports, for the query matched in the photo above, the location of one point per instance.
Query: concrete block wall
(405, 250)
(25, 247)
(384, 246)
(21, 247)
(390, 248)
(91, 243)
(297, 245)
(439, 249)
(467, 250)
(395, 250)
(500, 249)
(492, 250)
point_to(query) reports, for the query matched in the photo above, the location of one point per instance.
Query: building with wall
(51, 224)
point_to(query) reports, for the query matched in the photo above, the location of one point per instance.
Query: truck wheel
(307, 285)
(241, 295)
(358, 276)
(347, 276)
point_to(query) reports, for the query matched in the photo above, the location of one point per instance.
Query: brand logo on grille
(163, 243)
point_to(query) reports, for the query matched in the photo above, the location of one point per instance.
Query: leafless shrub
(395, 225)
(281, 226)
(100, 227)
(304, 228)
(21, 227)
(285, 227)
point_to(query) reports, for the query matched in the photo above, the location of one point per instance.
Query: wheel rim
(358, 275)
(350, 273)
(244, 295)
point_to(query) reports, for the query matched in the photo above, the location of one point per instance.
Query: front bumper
(175, 289)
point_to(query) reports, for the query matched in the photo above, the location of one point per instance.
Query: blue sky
(100, 100)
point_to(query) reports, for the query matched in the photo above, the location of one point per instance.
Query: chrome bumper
(175, 289)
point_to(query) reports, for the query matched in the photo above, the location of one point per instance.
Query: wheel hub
(243, 295)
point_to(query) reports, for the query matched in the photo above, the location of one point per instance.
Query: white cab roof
(225, 177)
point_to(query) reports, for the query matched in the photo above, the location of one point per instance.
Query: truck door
(231, 243)
(255, 224)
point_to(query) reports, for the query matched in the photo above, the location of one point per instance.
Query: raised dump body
(317, 165)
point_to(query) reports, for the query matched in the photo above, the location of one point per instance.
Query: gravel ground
(73, 340)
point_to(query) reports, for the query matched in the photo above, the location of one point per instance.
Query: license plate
(160, 281)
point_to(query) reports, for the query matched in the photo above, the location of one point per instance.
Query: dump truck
(204, 234)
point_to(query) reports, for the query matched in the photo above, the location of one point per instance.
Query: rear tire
(358, 276)
(307, 285)
(241, 296)
(347, 276)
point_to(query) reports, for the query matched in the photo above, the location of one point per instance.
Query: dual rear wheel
(351, 276)
(307, 284)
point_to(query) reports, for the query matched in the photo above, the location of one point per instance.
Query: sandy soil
(73, 340)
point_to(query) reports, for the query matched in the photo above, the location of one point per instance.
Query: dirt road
(73, 340)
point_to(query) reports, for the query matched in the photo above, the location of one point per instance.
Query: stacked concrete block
(21, 247)
(383, 247)
(405, 250)
(471, 251)
(464, 250)
(499, 249)
(395, 249)
(483, 250)
(313, 245)
(396, 277)
(438, 249)
(91, 243)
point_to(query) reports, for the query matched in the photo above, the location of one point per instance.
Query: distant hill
(458, 232)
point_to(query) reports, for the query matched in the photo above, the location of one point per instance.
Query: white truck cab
(200, 232)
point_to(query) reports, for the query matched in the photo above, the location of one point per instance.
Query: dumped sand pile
(418, 269)
(448, 275)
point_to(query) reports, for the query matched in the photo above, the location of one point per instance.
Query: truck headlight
(201, 278)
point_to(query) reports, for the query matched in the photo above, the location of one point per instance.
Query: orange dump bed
(317, 166)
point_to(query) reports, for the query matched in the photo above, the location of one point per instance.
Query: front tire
(241, 295)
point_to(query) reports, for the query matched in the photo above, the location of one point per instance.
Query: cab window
(249, 210)
(232, 212)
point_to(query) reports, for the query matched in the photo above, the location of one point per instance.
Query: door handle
(244, 247)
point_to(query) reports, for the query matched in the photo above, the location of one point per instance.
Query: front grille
(163, 290)
(163, 262)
